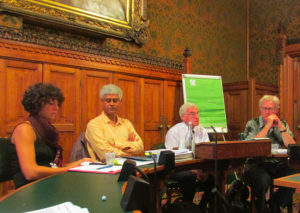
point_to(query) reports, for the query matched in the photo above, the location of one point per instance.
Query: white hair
(269, 98)
(111, 89)
(184, 107)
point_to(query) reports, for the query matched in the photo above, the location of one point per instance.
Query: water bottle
(193, 144)
(189, 137)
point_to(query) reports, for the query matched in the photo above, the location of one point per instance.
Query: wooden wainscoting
(241, 104)
(151, 99)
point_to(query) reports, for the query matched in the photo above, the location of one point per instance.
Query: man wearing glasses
(190, 179)
(261, 171)
(110, 133)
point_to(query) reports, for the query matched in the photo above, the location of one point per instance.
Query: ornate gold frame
(51, 13)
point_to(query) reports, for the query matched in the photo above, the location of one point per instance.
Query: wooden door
(131, 102)
(296, 127)
(15, 77)
(173, 99)
(153, 112)
(68, 118)
(92, 82)
(162, 100)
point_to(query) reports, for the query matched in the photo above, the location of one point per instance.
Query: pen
(104, 167)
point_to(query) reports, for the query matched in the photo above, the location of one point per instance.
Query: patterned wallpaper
(214, 30)
(264, 20)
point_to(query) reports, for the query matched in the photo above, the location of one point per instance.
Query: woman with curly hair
(35, 152)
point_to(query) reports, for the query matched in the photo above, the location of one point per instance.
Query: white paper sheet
(66, 207)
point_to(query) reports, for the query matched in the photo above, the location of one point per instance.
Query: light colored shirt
(102, 137)
(254, 126)
(179, 131)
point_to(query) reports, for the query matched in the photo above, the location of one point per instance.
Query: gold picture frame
(65, 14)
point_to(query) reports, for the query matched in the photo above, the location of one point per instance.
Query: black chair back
(5, 171)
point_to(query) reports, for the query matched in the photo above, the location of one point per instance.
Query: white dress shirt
(178, 132)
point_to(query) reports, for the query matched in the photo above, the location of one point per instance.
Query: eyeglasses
(115, 100)
(193, 114)
(267, 109)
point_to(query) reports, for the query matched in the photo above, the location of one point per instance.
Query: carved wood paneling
(130, 104)
(241, 104)
(68, 119)
(236, 112)
(173, 97)
(133, 65)
(15, 77)
(153, 113)
(289, 87)
(92, 82)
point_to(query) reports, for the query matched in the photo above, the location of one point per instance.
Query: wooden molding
(23, 51)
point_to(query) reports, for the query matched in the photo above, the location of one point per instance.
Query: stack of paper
(182, 154)
(66, 207)
(179, 154)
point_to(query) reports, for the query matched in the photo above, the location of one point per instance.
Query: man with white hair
(191, 179)
(110, 133)
(188, 113)
(262, 171)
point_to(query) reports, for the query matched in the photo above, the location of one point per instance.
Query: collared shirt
(178, 132)
(102, 137)
(254, 126)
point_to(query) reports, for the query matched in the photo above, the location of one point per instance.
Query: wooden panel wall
(80, 76)
(241, 104)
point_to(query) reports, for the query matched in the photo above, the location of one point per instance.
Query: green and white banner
(207, 93)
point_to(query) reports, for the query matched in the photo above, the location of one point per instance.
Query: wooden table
(82, 189)
(292, 181)
(86, 189)
(233, 149)
(231, 156)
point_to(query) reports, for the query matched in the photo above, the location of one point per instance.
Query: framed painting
(126, 19)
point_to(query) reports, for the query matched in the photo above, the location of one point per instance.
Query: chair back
(5, 171)
(79, 150)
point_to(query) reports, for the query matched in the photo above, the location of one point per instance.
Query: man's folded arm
(100, 145)
(136, 146)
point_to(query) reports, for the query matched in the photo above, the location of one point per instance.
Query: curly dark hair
(38, 94)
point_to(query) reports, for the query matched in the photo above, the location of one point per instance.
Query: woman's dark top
(44, 155)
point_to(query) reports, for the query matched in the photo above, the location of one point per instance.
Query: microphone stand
(154, 182)
(215, 190)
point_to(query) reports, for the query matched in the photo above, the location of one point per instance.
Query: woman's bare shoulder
(23, 130)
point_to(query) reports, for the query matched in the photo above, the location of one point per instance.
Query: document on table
(66, 207)
(138, 162)
(179, 154)
(104, 169)
(97, 169)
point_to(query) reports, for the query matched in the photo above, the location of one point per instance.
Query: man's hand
(126, 149)
(274, 121)
(132, 137)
